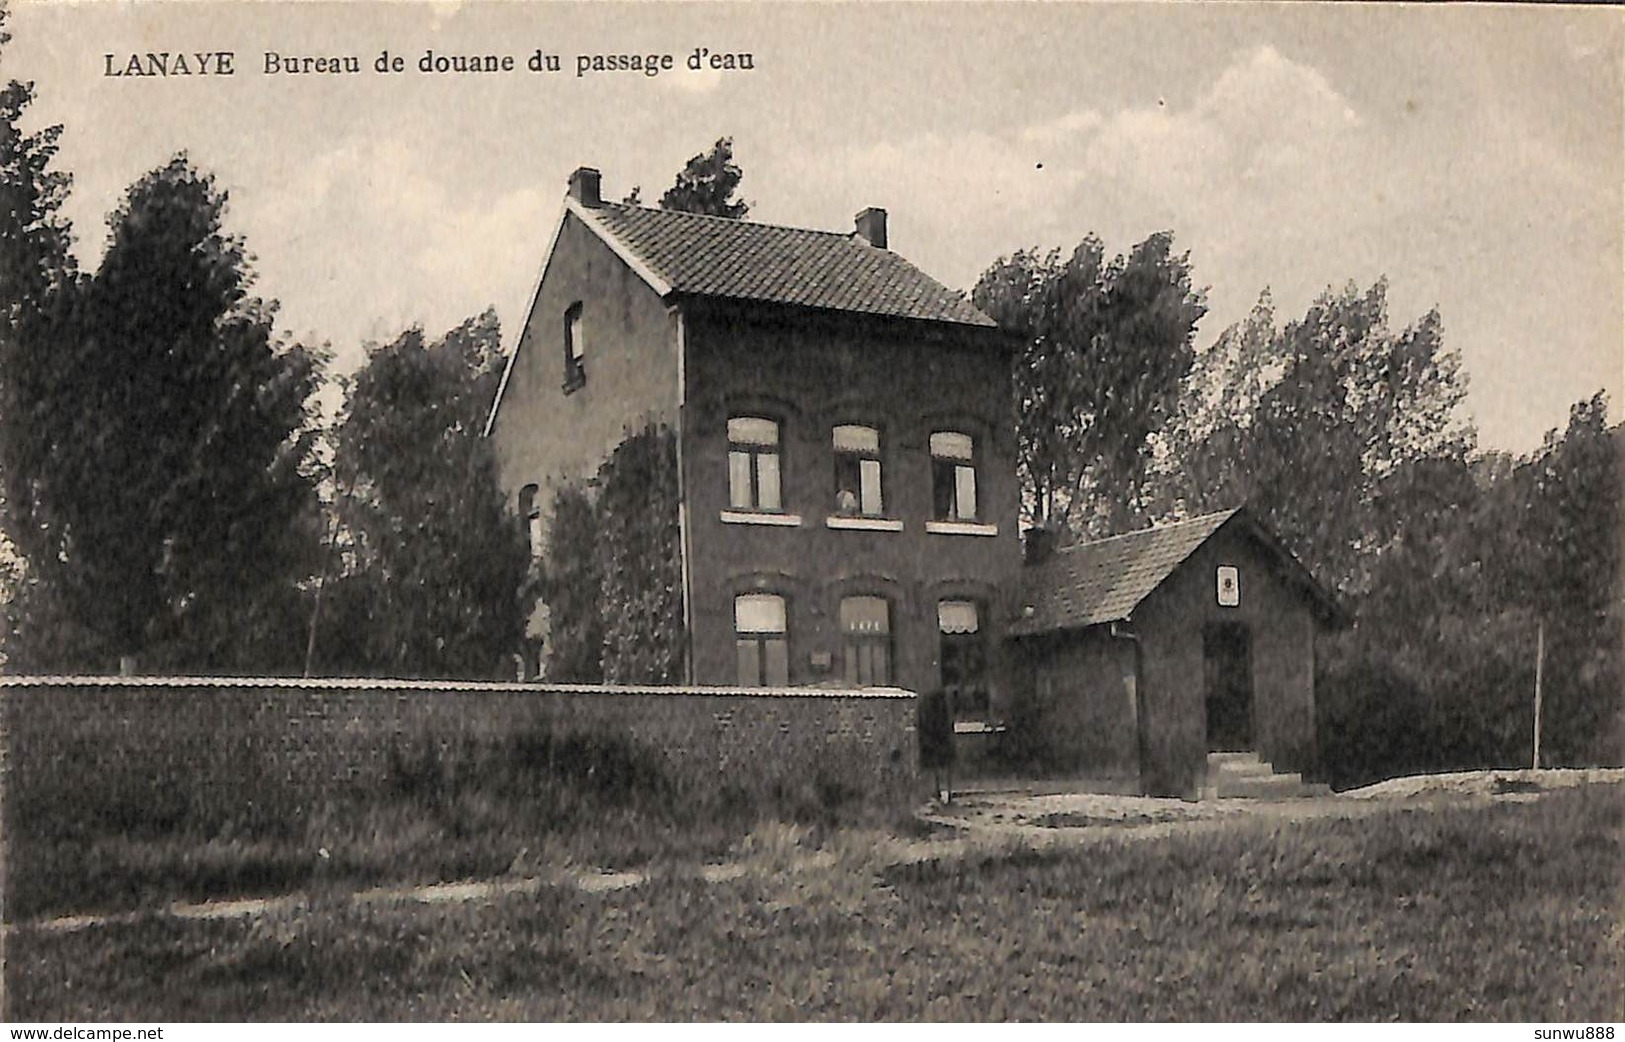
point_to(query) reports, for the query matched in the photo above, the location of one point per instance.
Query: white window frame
(859, 443)
(854, 641)
(575, 348)
(755, 464)
(768, 640)
(964, 502)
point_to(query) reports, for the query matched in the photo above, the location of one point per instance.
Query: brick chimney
(1037, 544)
(871, 225)
(584, 188)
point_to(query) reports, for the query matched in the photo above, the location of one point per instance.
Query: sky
(1473, 155)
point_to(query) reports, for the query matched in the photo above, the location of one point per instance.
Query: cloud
(1268, 144)
(689, 81)
(414, 250)
(1271, 176)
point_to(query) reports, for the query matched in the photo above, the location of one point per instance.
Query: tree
(171, 502)
(1107, 347)
(38, 291)
(706, 184)
(437, 559)
(1556, 560)
(613, 570)
(1319, 426)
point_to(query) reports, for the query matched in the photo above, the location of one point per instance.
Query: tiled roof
(722, 257)
(1104, 581)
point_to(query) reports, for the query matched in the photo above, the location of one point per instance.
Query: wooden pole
(1540, 659)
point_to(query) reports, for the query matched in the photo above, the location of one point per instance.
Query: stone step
(1228, 784)
(1274, 787)
(1239, 769)
(1232, 758)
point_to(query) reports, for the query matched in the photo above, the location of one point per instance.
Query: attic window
(575, 349)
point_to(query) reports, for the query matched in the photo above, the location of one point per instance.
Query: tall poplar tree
(1106, 346)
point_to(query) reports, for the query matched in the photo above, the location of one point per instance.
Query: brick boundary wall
(199, 749)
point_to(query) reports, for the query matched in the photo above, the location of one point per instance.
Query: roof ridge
(731, 220)
(1148, 531)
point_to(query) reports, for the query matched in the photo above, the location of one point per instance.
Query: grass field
(475, 811)
(1484, 912)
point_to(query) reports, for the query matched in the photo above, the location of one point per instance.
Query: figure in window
(857, 471)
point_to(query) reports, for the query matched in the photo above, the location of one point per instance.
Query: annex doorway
(1227, 672)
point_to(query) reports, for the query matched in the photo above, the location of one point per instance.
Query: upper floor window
(575, 348)
(760, 640)
(953, 476)
(753, 464)
(531, 510)
(866, 640)
(857, 471)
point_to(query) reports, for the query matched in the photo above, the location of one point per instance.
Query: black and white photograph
(811, 512)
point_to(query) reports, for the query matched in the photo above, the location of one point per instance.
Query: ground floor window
(963, 657)
(866, 641)
(760, 639)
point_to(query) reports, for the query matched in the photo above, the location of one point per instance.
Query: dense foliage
(1331, 428)
(1347, 438)
(158, 443)
(431, 577)
(707, 183)
(1518, 559)
(613, 578)
(570, 588)
(1106, 345)
(38, 288)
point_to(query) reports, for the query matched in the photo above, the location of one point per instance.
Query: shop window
(866, 644)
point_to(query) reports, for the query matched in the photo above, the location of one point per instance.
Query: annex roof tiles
(1104, 581)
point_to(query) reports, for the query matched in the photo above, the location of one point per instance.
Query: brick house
(847, 478)
(848, 502)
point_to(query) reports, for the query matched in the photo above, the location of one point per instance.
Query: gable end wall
(544, 435)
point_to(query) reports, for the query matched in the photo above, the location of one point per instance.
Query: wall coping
(453, 686)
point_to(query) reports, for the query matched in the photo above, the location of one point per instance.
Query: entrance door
(1227, 666)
